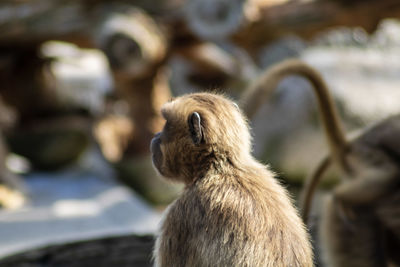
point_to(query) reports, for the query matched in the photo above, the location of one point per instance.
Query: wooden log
(308, 18)
(128, 250)
(40, 20)
(36, 21)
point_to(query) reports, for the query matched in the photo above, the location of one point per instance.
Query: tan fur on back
(232, 212)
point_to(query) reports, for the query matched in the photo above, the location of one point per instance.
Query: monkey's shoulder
(229, 200)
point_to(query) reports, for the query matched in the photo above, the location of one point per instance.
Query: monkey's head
(201, 131)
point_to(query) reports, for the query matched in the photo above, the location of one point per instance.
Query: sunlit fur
(232, 211)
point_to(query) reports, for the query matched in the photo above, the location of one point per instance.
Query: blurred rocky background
(82, 83)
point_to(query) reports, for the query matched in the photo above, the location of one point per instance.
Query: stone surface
(72, 206)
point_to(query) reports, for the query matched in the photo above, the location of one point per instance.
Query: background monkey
(362, 218)
(375, 157)
(232, 211)
(361, 210)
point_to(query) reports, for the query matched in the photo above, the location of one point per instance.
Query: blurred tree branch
(308, 18)
(72, 20)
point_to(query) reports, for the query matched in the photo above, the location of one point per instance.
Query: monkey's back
(238, 219)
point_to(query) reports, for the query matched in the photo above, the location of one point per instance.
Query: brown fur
(361, 221)
(373, 158)
(361, 211)
(232, 211)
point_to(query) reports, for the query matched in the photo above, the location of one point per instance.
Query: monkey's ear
(196, 132)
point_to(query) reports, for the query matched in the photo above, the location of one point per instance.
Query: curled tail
(311, 184)
(257, 93)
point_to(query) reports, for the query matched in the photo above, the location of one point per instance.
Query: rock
(49, 149)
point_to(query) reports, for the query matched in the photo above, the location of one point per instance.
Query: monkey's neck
(219, 164)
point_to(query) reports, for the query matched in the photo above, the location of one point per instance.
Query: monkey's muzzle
(155, 148)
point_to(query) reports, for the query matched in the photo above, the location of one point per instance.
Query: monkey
(366, 203)
(356, 217)
(376, 157)
(232, 211)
